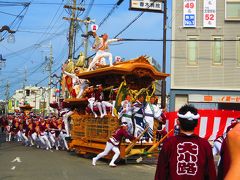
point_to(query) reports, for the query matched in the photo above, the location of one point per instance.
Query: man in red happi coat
(186, 156)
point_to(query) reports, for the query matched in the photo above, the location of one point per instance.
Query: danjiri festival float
(111, 108)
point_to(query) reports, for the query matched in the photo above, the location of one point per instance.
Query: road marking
(17, 159)
(13, 168)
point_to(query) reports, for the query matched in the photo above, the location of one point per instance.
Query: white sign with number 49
(189, 13)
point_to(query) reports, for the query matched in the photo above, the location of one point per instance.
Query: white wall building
(37, 97)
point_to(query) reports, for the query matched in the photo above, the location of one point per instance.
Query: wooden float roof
(125, 68)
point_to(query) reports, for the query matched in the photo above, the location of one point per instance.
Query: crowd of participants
(33, 130)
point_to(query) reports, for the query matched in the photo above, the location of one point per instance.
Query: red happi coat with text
(186, 157)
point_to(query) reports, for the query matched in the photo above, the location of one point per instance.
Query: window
(27, 92)
(217, 50)
(232, 10)
(238, 50)
(192, 50)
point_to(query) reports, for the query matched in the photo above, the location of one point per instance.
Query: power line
(35, 69)
(38, 32)
(34, 45)
(103, 20)
(108, 15)
(7, 3)
(43, 41)
(85, 16)
(134, 20)
(126, 27)
(8, 14)
(59, 67)
(48, 30)
(18, 17)
(183, 40)
(93, 4)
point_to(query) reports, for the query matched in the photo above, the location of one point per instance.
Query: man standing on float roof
(101, 46)
(186, 156)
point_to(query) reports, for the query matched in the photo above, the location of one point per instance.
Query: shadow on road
(6, 177)
(7, 145)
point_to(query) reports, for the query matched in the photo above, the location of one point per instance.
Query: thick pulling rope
(159, 142)
(130, 146)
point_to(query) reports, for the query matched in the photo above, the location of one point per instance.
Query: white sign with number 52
(209, 14)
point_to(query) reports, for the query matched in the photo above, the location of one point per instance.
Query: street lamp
(11, 38)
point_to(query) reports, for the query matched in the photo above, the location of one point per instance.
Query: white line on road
(17, 159)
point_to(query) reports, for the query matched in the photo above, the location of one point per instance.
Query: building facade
(205, 57)
(37, 97)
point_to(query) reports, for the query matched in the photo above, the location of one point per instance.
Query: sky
(42, 24)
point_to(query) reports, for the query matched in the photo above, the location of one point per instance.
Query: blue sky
(43, 24)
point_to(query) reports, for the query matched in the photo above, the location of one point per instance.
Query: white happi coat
(152, 112)
(102, 51)
(126, 114)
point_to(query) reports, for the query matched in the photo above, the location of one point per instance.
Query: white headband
(189, 116)
(124, 124)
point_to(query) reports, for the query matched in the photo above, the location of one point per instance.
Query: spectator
(186, 156)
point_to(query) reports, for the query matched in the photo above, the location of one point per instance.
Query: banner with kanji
(211, 124)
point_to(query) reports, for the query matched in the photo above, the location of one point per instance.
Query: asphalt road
(37, 164)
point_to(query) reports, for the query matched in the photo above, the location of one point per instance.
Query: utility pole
(72, 19)
(42, 103)
(163, 91)
(87, 22)
(24, 85)
(7, 97)
(49, 68)
(72, 31)
(50, 63)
